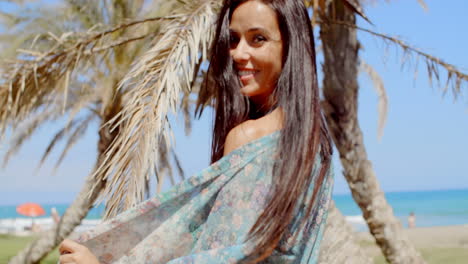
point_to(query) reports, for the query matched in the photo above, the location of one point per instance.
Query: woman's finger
(67, 259)
(69, 246)
(72, 252)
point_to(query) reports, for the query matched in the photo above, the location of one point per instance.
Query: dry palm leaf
(455, 77)
(34, 76)
(154, 89)
(320, 6)
(26, 130)
(423, 5)
(381, 94)
(355, 6)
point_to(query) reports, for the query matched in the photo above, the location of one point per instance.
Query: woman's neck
(262, 109)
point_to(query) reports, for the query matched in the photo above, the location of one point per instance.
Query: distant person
(412, 220)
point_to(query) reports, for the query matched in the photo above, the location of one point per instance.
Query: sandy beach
(22, 226)
(441, 244)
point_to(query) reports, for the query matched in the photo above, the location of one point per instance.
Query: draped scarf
(207, 217)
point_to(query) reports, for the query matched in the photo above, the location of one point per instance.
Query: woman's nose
(240, 52)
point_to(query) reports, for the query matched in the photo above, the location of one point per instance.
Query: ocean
(432, 208)
(12, 222)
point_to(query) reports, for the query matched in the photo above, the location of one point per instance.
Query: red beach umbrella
(30, 209)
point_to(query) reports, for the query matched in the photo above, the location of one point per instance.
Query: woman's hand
(72, 252)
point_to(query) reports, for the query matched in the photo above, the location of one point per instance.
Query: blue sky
(423, 146)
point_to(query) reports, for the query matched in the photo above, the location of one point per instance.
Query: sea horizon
(48, 201)
(432, 208)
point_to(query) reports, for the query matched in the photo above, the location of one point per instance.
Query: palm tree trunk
(340, 47)
(339, 244)
(38, 249)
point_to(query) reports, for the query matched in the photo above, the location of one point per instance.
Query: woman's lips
(246, 78)
(246, 75)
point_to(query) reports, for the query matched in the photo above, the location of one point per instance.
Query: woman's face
(256, 48)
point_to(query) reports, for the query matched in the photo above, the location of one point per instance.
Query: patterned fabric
(206, 218)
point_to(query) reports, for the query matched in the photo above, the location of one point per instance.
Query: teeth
(241, 73)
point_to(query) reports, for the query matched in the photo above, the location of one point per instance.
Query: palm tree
(59, 73)
(340, 87)
(130, 73)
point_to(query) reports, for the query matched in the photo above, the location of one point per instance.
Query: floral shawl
(206, 218)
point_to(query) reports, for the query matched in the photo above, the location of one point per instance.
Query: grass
(10, 245)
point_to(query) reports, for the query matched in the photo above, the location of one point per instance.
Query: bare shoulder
(251, 130)
(241, 135)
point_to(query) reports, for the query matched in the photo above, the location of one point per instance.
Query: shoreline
(23, 226)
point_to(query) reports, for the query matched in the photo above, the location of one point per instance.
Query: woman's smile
(245, 75)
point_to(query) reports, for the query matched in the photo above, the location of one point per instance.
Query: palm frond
(9, 20)
(381, 94)
(185, 105)
(51, 112)
(57, 138)
(156, 83)
(319, 8)
(423, 4)
(74, 137)
(356, 7)
(136, 185)
(87, 12)
(86, 97)
(178, 164)
(26, 130)
(455, 77)
(28, 80)
(186, 102)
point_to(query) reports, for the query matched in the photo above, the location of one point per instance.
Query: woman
(266, 194)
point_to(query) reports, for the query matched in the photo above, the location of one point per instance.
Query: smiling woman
(266, 195)
(257, 50)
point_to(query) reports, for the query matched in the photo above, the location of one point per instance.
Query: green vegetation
(10, 245)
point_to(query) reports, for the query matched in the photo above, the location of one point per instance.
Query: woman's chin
(249, 90)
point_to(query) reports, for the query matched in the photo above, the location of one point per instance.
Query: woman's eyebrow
(257, 29)
(262, 31)
(254, 29)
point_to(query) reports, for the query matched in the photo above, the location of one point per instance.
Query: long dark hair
(304, 134)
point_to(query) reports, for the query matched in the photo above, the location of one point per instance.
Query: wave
(355, 219)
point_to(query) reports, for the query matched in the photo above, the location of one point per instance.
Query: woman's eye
(259, 39)
(233, 40)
